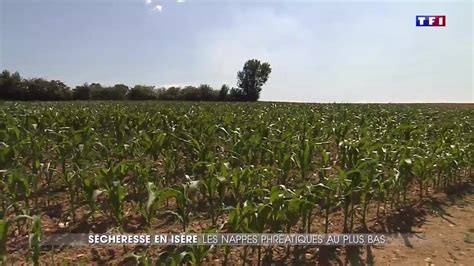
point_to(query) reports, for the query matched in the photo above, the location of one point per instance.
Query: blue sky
(320, 51)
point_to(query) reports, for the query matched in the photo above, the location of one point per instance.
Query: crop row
(238, 167)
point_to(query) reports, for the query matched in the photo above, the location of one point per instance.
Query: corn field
(218, 167)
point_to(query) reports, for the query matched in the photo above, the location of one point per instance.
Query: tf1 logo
(431, 21)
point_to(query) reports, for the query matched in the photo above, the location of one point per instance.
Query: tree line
(250, 80)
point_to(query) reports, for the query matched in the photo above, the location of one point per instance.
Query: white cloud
(180, 1)
(148, 2)
(158, 8)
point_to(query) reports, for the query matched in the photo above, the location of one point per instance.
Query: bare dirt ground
(445, 236)
(442, 225)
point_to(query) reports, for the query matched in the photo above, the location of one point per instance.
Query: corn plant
(304, 157)
(4, 225)
(173, 258)
(152, 202)
(182, 195)
(34, 242)
(140, 259)
(263, 167)
(198, 253)
(116, 195)
(212, 186)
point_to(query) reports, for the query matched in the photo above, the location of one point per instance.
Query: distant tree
(252, 77)
(37, 89)
(223, 93)
(12, 86)
(236, 94)
(206, 92)
(82, 93)
(97, 92)
(118, 92)
(169, 94)
(159, 93)
(142, 92)
(58, 91)
(189, 93)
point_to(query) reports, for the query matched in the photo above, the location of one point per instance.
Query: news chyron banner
(226, 239)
